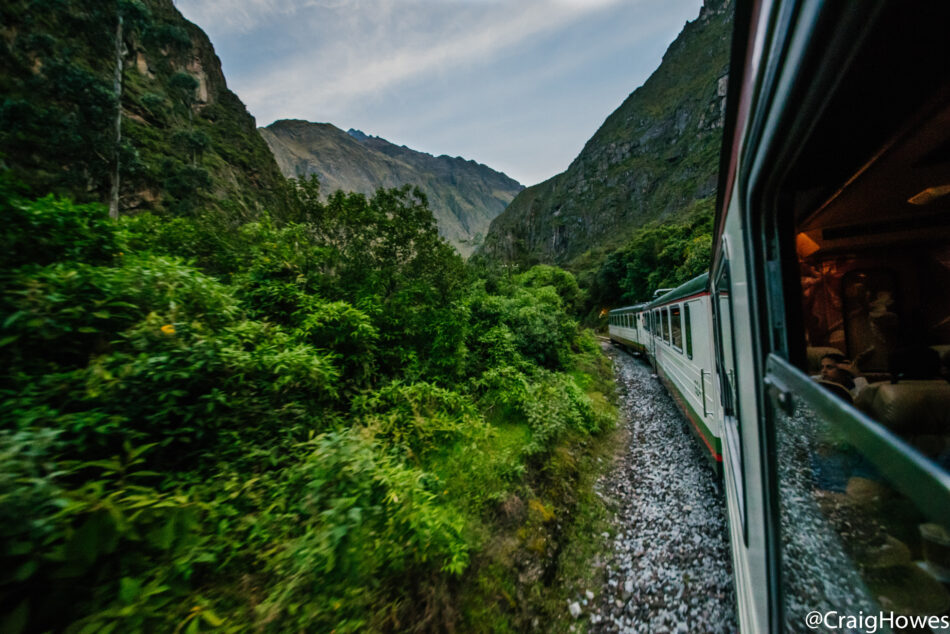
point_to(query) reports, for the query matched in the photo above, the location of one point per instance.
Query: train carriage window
(858, 387)
(676, 327)
(688, 328)
(665, 324)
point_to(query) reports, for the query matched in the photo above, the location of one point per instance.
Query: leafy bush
(304, 422)
(537, 325)
(48, 230)
(111, 551)
(418, 417)
(362, 521)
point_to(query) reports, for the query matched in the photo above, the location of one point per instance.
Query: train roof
(696, 285)
(627, 309)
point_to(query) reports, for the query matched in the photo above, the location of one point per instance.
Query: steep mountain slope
(187, 142)
(654, 158)
(464, 195)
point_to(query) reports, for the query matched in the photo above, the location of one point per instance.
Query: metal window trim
(688, 330)
(915, 476)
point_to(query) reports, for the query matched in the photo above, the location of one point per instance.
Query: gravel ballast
(668, 569)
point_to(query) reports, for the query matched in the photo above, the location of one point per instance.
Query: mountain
(464, 195)
(187, 142)
(655, 158)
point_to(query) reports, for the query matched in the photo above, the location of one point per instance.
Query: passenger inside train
(838, 372)
(871, 235)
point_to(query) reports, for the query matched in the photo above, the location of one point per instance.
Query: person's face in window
(830, 371)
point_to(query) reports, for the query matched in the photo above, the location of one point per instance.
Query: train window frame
(688, 330)
(787, 386)
(676, 320)
(788, 383)
(665, 319)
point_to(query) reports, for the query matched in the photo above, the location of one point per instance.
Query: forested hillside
(241, 405)
(69, 72)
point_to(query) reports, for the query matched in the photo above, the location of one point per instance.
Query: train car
(625, 327)
(833, 234)
(682, 354)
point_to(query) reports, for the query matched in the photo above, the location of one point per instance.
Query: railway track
(669, 565)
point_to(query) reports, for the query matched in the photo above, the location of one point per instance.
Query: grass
(542, 541)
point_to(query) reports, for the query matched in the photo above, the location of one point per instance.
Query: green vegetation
(657, 256)
(187, 143)
(215, 417)
(317, 421)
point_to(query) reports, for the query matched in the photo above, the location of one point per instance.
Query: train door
(654, 333)
(728, 374)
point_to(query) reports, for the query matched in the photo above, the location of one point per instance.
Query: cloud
(374, 45)
(517, 84)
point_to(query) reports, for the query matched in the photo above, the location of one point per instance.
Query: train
(831, 245)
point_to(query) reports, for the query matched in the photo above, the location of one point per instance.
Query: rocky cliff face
(187, 142)
(653, 159)
(464, 195)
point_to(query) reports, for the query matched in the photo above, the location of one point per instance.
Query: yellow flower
(168, 329)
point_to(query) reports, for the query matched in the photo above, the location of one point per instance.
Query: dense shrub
(292, 424)
(346, 495)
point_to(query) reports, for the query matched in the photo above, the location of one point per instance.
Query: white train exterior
(675, 333)
(832, 237)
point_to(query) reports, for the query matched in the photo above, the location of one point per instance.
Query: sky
(519, 85)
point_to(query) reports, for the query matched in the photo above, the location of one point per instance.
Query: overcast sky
(519, 85)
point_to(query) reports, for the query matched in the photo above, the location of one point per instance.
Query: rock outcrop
(187, 141)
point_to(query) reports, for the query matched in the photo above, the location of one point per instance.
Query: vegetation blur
(316, 422)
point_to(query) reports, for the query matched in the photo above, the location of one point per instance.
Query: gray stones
(574, 609)
(669, 569)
